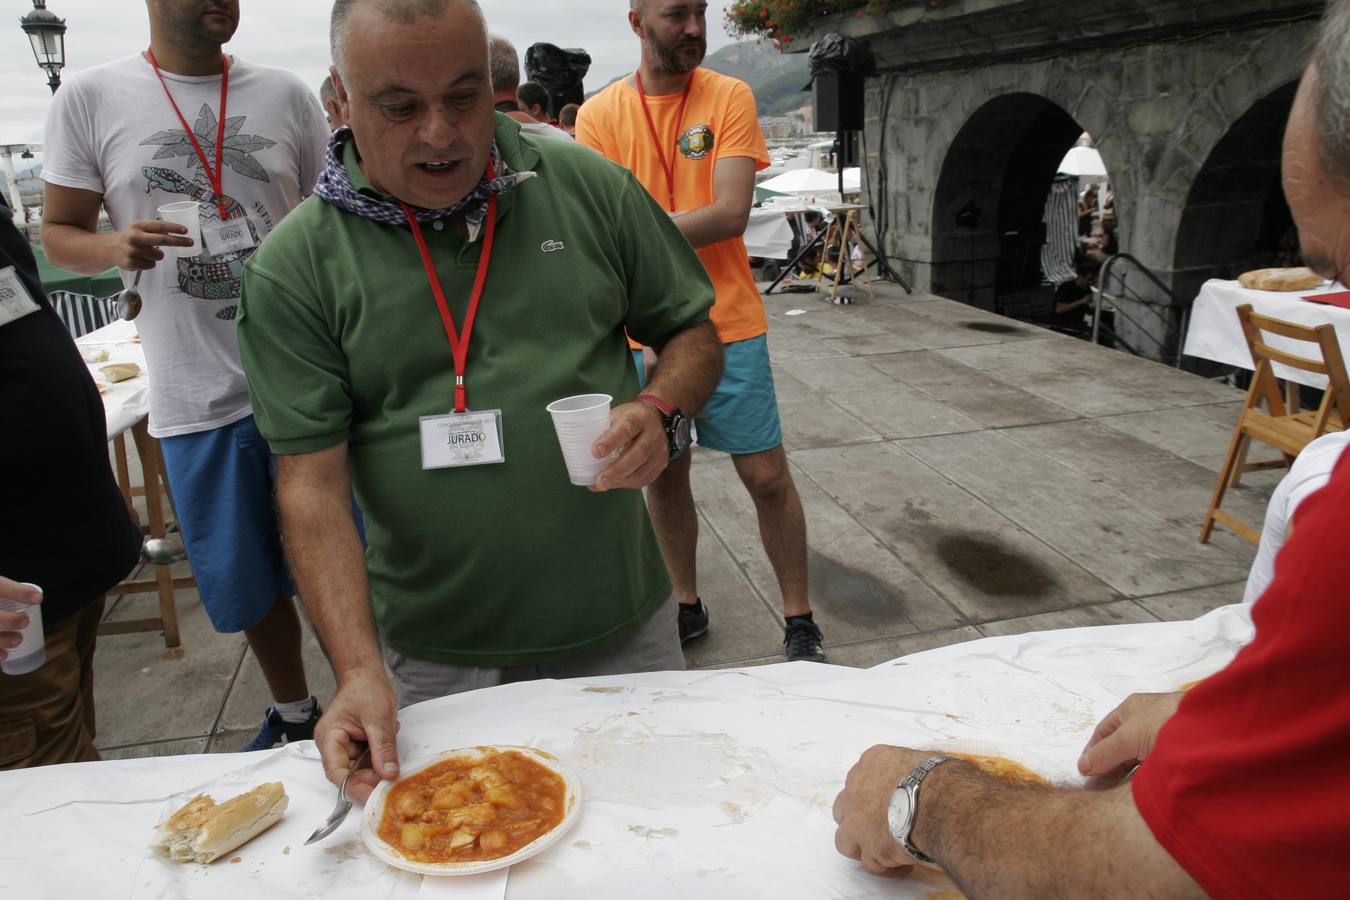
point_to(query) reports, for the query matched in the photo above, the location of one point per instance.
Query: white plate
(374, 812)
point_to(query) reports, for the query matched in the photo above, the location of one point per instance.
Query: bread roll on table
(203, 831)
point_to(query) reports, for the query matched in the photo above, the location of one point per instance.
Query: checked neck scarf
(335, 186)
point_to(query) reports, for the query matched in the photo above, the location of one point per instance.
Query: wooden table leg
(839, 259)
(120, 465)
(867, 280)
(148, 450)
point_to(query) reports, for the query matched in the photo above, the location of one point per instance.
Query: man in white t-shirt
(1309, 474)
(185, 122)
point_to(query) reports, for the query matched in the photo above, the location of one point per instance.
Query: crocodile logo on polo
(552, 246)
(697, 142)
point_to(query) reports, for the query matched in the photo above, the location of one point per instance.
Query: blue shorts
(741, 416)
(223, 482)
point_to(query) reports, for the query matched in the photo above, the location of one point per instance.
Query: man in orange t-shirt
(692, 137)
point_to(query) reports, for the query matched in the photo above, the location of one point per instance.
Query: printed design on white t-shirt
(203, 276)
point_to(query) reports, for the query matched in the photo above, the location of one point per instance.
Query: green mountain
(775, 78)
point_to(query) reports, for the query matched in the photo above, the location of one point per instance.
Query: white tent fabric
(1085, 162)
(1061, 231)
(807, 182)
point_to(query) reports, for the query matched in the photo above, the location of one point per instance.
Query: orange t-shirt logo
(697, 142)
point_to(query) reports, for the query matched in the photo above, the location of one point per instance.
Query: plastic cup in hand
(31, 652)
(579, 421)
(188, 214)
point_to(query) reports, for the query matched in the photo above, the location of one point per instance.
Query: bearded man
(692, 137)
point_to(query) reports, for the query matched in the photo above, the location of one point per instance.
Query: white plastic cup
(579, 421)
(31, 652)
(187, 213)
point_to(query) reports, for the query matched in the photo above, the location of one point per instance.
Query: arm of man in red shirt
(998, 839)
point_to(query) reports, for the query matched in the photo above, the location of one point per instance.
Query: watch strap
(661, 406)
(912, 782)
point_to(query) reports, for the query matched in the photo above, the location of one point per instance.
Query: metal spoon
(344, 804)
(162, 552)
(129, 301)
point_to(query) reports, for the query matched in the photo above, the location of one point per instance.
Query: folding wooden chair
(1282, 424)
(159, 508)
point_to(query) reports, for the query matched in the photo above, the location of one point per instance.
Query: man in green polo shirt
(366, 345)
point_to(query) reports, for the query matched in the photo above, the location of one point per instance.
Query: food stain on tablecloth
(624, 761)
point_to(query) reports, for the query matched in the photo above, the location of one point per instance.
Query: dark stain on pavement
(993, 327)
(989, 566)
(852, 595)
(917, 514)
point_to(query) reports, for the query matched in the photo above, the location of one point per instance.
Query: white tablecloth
(126, 402)
(768, 234)
(1215, 333)
(709, 784)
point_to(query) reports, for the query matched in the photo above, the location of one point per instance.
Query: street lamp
(47, 33)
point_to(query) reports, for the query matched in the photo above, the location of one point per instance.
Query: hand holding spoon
(129, 301)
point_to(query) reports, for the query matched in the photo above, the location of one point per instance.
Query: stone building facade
(976, 101)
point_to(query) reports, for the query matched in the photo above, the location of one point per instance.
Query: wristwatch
(904, 806)
(674, 422)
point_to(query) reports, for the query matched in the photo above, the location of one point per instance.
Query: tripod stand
(877, 259)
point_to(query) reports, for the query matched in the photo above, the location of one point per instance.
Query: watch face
(681, 435)
(898, 813)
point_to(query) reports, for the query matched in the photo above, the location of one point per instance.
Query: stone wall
(1162, 115)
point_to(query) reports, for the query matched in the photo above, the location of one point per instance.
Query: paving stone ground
(963, 475)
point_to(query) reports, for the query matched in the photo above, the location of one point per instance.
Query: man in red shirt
(1242, 787)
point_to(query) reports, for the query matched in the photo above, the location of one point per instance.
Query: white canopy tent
(1085, 162)
(808, 182)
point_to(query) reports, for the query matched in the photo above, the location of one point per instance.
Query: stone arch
(1235, 216)
(1001, 162)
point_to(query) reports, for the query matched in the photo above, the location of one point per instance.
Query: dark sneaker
(276, 731)
(802, 640)
(693, 621)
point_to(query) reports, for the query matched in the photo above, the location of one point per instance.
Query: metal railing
(1174, 330)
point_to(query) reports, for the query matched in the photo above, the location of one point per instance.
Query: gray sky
(294, 35)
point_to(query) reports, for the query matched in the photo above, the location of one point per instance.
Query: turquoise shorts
(741, 416)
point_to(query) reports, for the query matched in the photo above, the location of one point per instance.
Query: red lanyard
(459, 349)
(667, 166)
(213, 177)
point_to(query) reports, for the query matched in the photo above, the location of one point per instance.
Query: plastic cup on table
(579, 420)
(31, 652)
(188, 214)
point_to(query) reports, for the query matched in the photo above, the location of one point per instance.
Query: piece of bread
(116, 372)
(94, 355)
(202, 831)
(1299, 279)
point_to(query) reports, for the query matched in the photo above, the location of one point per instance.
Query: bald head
(402, 12)
(1316, 164)
(1330, 71)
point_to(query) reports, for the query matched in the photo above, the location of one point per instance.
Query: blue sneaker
(276, 731)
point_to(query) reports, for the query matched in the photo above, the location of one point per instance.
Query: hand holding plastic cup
(579, 422)
(188, 214)
(31, 652)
